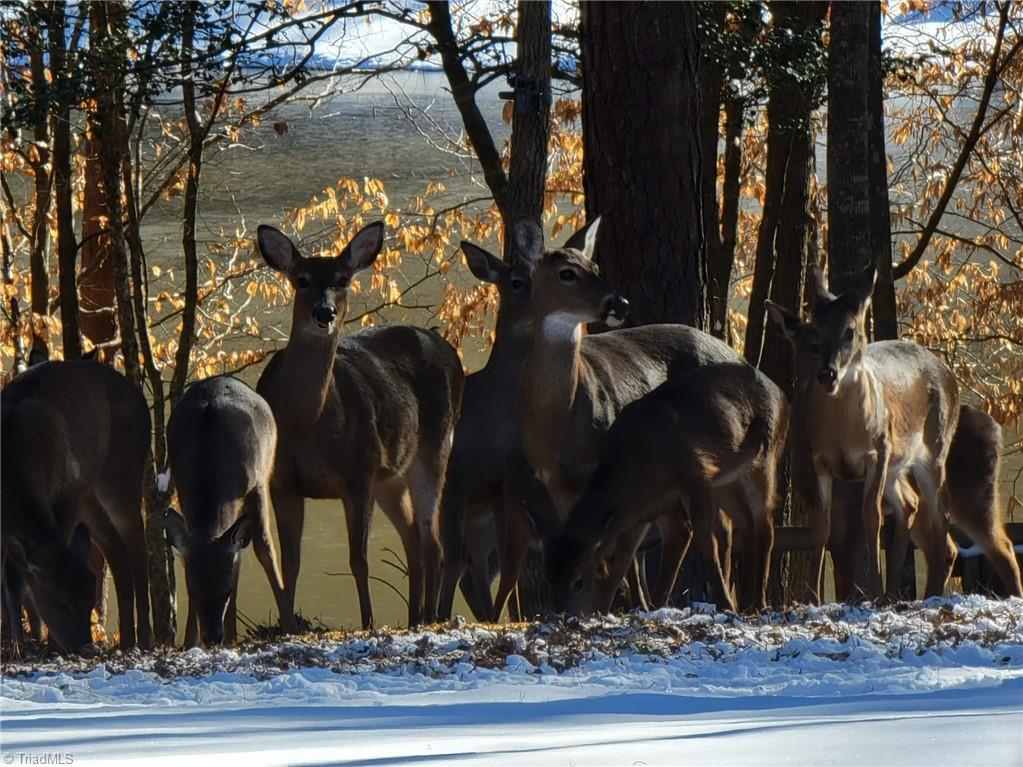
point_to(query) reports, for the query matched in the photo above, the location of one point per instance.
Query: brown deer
(362, 417)
(719, 429)
(971, 476)
(221, 440)
(76, 436)
(486, 437)
(875, 413)
(573, 386)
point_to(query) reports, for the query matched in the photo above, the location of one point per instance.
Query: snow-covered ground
(937, 682)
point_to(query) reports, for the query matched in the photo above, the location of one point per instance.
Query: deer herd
(587, 447)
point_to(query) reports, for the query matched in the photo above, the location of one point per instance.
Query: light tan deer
(362, 417)
(719, 429)
(573, 385)
(486, 438)
(971, 476)
(221, 439)
(75, 441)
(877, 413)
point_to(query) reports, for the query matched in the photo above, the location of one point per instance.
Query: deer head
(210, 567)
(567, 288)
(321, 284)
(62, 585)
(514, 284)
(830, 348)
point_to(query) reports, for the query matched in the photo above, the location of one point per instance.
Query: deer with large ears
(573, 386)
(873, 412)
(486, 436)
(360, 418)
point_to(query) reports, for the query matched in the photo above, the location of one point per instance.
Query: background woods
(730, 146)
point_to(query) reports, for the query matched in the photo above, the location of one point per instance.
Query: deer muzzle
(324, 313)
(827, 376)
(614, 310)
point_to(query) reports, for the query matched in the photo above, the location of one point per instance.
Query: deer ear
(176, 528)
(238, 535)
(528, 240)
(863, 287)
(786, 320)
(585, 240)
(362, 251)
(277, 250)
(485, 266)
(821, 294)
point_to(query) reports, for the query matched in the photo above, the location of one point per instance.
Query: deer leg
(396, 501)
(621, 557)
(873, 486)
(135, 541)
(477, 577)
(820, 532)
(895, 556)
(116, 553)
(676, 535)
(516, 534)
(425, 479)
(635, 578)
(990, 536)
(452, 527)
(358, 515)
(258, 503)
(192, 626)
(702, 510)
(231, 613)
(929, 481)
(289, 508)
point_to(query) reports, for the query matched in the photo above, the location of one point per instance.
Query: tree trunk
(883, 307)
(720, 268)
(67, 248)
(40, 163)
(642, 155)
(849, 221)
(711, 78)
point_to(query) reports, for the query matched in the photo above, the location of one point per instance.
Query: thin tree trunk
(40, 163)
(642, 155)
(720, 269)
(883, 309)
(67, 248)
(711, 77)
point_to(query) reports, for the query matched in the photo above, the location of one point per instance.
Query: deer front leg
(676, 535)
(358, 514)
(515, 532)
(263, 548)
(873, 494)
(820, 531)
(289, 508)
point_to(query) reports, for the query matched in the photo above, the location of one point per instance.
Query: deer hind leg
(990, 536)
(676, 536)
(258, 508)
(758, 493)
(114, 550)
(902, 500)
(426, 477)
(514, 535)
(702, 512)
(395, 500)
(289, 509)
(929, 481)
(621, 558)
(231, 613)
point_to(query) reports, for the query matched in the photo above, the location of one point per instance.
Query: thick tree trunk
(67, 248)
(849, 225)
(642, 155)
(884, 311)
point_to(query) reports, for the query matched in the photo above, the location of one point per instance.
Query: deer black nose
(324, 313)
(827, 375)
(615, 310)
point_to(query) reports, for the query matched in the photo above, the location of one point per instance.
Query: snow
(936, 682)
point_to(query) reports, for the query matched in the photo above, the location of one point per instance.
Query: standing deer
(363, 417)
(486, 439)
(221, 439)
(573, 386)
(76, 436)
(971, 476)
(874, 413)
(716, 430)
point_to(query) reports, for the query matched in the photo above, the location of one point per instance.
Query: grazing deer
(363, 417)
(573, 386)
(221, 439)
(718, 429)
(485, 439)
(76, 436)
(876, 413)
(971, 476)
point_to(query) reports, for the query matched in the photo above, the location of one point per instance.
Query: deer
(972, 470)
(574, 385)
(873, 412)
(361, 418)
(221, 440)
(717, 430)
(486, 439)
(76, 436)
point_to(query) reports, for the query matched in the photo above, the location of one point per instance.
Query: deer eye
(848, 335)
(517, 284)
(567, 275)
(342, 283)
(302, 281)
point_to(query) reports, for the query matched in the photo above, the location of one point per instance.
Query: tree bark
(40, 163)
(711, 78)
(849, 224)
(67, 248)
(719, 268)
(642, 155)
(883, 309)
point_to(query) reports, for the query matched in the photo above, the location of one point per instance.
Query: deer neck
(310, 368)
(854, 409)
